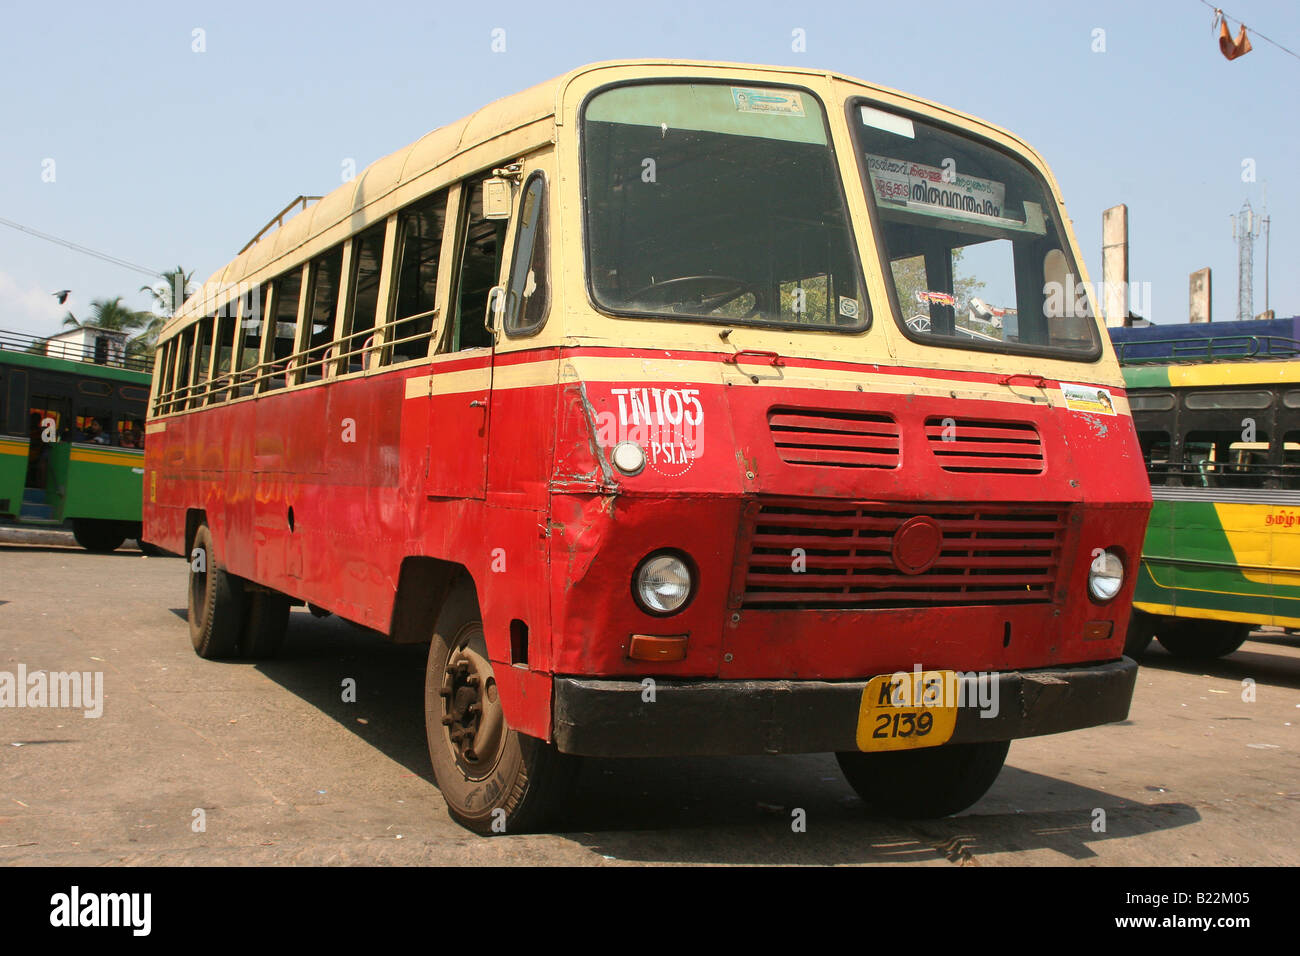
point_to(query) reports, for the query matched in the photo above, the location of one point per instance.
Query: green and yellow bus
(1221, 440)
(71, 441)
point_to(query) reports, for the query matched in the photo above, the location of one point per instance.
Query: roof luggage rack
(278, 219)
(1207, 348)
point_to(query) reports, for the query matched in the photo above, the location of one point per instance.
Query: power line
(77, 247)
(1220, 12)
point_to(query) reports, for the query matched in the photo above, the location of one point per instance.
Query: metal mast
(1245, 227)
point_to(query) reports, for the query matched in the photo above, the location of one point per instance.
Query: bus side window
(283, 327)
(225, 349)
(1223, 460)
(184, 366)
(528, 292)
(322, 309)
(420, 229)
(1290, 460)
(201, 362)
(250, 344)
(480, 266)
(359, 330)
(1155, 451)
(164, 360)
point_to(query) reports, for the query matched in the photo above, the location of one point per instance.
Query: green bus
(1221, 440)
(72, 440)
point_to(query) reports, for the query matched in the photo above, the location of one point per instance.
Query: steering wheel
(704, 301)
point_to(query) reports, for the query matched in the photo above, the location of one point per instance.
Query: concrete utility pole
(1199, 304)
(1114, 265)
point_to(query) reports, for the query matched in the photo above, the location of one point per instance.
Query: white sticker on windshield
(848, 307)
(781, 102)
(879, 119)
(909, 183)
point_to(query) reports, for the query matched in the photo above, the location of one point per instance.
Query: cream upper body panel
(882, 342)
(542, 126)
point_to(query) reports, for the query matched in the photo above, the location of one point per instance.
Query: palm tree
(168, 296)
(108, 314)
(143, 344)
(171, 293)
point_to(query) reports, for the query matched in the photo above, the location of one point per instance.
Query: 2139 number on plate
(908, 710)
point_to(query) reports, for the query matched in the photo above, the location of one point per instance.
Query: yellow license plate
(907, 710)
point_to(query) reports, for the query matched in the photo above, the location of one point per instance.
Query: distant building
(88, 344)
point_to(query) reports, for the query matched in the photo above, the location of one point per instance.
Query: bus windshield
(977, 258)
(713, 202)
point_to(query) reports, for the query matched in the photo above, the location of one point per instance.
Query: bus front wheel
(101, 537)
(493, 778)
(216, 602)
(926, 783)
(1183, 637)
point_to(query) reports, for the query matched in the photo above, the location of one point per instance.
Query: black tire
(265, 625)
(926, 783)
(216, 602)
(101, 537)
(495, 780)
(1199, 639)
(1141, 631)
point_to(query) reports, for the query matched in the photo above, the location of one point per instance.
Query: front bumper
(615, 718)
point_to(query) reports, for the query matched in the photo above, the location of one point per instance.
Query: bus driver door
(461, 380)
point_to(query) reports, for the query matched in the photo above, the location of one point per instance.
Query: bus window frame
(541, 232)
(463, 195)
(868, 317)
(221, 391)
(442, 288)
(343, 330)
(194, 398)
(241, 377)
(851, 106)
(267, 377)
(294, 374)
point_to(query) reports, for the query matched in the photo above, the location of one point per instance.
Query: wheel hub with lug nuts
(472, 712)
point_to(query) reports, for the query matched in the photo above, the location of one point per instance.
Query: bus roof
(514, 112)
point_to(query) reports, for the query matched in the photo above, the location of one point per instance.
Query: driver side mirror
(496, 198)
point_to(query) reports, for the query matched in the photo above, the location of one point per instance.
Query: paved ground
(285, 772)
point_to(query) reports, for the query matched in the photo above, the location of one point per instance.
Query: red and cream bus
(682, 409)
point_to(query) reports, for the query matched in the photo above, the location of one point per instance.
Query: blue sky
(163, 155)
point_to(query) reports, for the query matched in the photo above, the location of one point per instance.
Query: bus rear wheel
(1191, 638)
(101, 537)
(493, 778)
(216, 602)
(926, 783)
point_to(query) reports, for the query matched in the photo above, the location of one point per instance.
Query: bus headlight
(662, 583)
(1106, 576)
(628, 457)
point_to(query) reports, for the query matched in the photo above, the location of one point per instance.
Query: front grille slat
(990, 554)
(879, 599)
(835, 439)
(968, 445)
